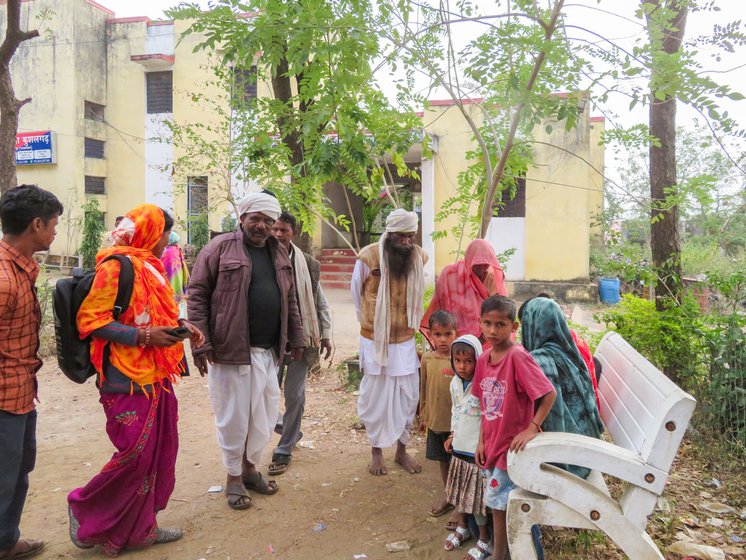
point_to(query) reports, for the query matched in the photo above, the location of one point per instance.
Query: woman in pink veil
(464, 285)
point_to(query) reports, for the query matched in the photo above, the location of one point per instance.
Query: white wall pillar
(159, 158)
(427, 175)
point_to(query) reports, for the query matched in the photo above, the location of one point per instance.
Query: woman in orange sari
(463, 286)
(137, 357)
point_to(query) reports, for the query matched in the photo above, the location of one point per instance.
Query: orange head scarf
(152, 302)
(460, 291)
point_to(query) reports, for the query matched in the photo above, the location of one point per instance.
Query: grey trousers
(294, 388)
(17, 459)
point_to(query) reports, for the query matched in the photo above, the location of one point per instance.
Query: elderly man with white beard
(388, 287)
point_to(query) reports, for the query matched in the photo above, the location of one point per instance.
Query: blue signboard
(33, 148)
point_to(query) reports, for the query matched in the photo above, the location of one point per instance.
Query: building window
(196, 206)
(94, 111)
(197, 195)
(510, 206)
(244, 85)
(94, 148)
(160, 98)
(95, 185)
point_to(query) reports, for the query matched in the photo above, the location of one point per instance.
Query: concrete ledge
(563, 292)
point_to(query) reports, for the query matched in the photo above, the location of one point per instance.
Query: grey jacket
(218, 302)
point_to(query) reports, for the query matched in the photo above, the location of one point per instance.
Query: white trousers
(246, 400)
(387, 406)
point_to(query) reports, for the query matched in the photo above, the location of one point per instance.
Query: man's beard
(398, 257)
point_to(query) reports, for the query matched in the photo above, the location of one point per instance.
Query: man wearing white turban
(242, 296)
(388, 287)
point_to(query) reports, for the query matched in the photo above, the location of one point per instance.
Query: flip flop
(450, 525)
(234, 492)
(30, 548)
(74, 526)
(441, 511)
(279, 465)
(260, 485)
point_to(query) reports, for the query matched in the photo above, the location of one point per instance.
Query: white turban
(400, 221)
(260, 202)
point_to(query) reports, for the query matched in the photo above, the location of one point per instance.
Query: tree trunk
(9, 105)
(664, 230)
(282, 90)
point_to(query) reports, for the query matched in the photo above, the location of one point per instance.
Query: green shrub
(673, 339)
(93, 231)
(199, 232)
(419, 340)
(228, 223)
(350, 373)
(723, 396)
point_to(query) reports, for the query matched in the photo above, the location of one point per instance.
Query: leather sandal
(24, 548)
(259, 484)
(237, 496)
(279, 465)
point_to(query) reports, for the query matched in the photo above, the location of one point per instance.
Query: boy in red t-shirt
(515, 397)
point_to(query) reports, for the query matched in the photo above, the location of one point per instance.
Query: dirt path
(328, 505)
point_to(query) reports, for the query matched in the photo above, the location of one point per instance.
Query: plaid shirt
(20, 318)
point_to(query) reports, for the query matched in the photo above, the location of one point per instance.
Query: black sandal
(259, 484)
(279, 464)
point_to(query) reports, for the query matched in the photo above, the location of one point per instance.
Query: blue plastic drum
(608, 290)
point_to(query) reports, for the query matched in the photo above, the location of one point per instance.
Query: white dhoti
(388, 394)
(246, 400)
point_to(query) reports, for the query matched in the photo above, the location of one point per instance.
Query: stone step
(338, 252)
(337, 267)
(337, 259)
(335, 285)
(336, 276)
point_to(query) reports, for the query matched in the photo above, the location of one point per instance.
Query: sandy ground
(328, 505)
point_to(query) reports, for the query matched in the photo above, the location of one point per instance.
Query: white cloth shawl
(399, 221)
(306, 302)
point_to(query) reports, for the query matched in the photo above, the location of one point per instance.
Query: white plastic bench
(646, 416)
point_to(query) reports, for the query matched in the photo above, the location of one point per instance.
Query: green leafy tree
(93, 231)
(508, 70)
(199, 230)
(325, 119)
(710, 196)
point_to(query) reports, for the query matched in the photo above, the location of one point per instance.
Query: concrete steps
(337, 266)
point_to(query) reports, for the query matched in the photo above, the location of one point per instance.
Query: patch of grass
(350, 374)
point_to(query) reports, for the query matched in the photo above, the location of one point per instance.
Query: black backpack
(74, 354)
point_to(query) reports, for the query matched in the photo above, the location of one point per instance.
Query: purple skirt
(117, 508)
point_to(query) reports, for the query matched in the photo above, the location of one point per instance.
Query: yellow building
(548, 222)
(104, 89)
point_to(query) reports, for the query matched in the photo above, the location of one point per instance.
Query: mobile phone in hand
(181, 332)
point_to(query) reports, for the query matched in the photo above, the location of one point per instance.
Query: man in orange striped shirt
(29, 217)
